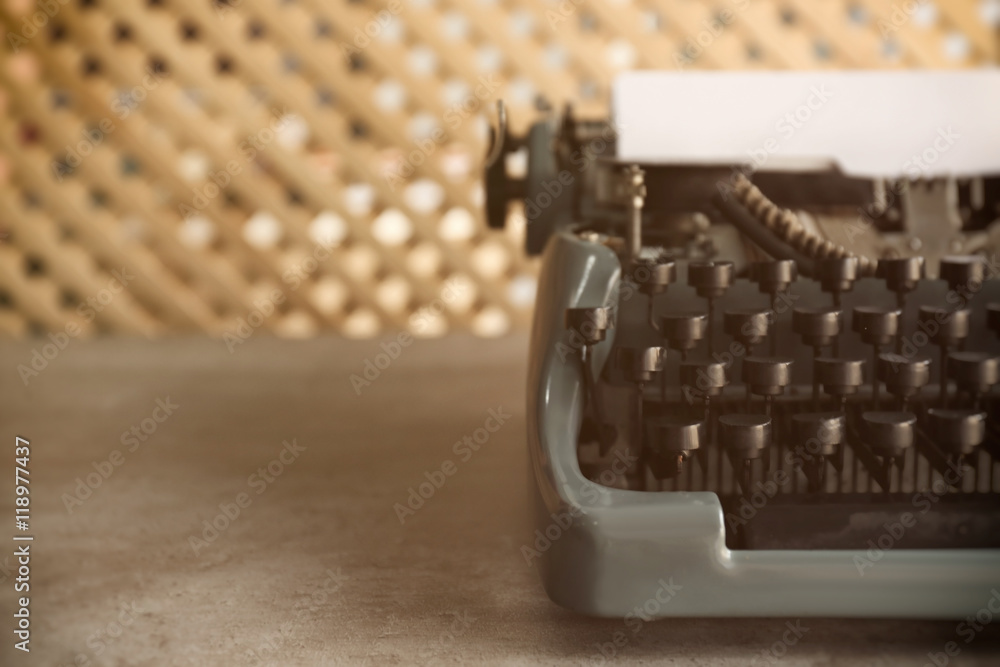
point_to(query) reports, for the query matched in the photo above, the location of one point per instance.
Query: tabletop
(325, 502)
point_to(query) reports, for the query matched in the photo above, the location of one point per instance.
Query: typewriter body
(765, 344)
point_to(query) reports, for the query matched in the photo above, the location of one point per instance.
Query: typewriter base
(617, 553)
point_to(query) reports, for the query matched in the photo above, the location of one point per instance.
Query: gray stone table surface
(139, 447)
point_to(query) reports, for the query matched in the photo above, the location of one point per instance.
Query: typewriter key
(963, 273)
(837, 275)
(710, 280)
(945, 328)
(877, 327)
(960, 431)
(974, 373)
(903, 376)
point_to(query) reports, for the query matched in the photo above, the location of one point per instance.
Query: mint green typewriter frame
(609, 552)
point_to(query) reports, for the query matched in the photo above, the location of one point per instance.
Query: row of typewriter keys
(747, 434)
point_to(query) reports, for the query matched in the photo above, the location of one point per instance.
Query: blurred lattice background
(308, 165)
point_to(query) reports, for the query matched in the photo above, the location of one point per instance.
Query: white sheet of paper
(918, 124)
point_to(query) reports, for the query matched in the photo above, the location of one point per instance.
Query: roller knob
(683, 331)
(960, 431)
(661, 274)
(964, 273)
(888, 434)
(839, 377)
(745, 436)
(640, 364)
(837, 274)
(591, 324)
(877, 326)
(767, 376)
(818, 432)
(901, 274)
(710, 279)
(747, 325)
(943, 326)
(707, 377)
(974, 372)
(818, 327)
(774, 276)
(903, 377)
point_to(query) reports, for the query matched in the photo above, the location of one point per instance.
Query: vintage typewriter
(765, 344)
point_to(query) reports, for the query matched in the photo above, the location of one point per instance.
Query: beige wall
(267, 166)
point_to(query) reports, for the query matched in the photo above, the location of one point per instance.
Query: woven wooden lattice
(276, 163)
